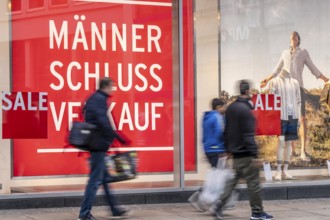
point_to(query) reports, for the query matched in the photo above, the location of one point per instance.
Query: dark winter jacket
(240, 129)
(213, 123)
(96, 113)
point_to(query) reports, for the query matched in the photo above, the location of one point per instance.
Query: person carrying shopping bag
(96, 113)
(213, 145)
(240, 141)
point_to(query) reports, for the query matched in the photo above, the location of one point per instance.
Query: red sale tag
(267, 110)
(24, 115)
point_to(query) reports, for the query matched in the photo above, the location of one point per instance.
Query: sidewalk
(304, 209)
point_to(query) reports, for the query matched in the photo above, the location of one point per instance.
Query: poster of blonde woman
(260, 39)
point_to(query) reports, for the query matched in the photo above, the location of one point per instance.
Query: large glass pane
(64, 51)
(238, 39)
(255, 36)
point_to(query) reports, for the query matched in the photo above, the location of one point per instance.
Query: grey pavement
(303, 209)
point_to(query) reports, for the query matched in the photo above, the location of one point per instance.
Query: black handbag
(81, 135)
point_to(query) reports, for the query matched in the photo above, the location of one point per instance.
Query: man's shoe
(231, 202)
(278, 176)
(229, 207)
(89, 217)
(122, 214)
(217, 210)
(219, 213)
(261, 216)
(194, 201)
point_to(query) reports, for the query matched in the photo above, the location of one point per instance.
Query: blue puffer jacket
(213, 126)
(96, 113)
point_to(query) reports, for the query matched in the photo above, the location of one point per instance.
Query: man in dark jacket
(96, 113)
(240, 142)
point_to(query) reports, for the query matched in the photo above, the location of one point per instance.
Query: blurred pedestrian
(239, 137)
(213, 128)
(213, 144)
(96, 113)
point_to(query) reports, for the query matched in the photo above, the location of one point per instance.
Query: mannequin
(288, 88)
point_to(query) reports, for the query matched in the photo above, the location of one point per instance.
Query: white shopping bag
(215, 183)
(328, 162)
(267, 171)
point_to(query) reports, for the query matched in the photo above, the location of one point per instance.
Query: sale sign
(65, 51)
(267, 110)
(24, 115)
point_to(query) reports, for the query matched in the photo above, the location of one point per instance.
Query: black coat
(240, 129)
(96, 113)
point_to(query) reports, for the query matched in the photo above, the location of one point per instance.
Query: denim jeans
(213, 159)
(97, 177)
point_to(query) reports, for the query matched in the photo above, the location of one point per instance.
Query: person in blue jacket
(213, 127)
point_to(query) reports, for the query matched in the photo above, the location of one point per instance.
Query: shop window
(33, 4)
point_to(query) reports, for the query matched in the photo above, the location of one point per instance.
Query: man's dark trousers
(245, 169)
(98, 176)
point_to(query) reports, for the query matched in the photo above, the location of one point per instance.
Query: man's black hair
(244, 86)
(105, 82)
(217, 102)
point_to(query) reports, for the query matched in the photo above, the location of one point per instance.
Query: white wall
(5, 167)
(207, 60)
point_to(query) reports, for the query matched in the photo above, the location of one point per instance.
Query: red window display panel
(24, 115)
(267, 110)
(65, 51)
